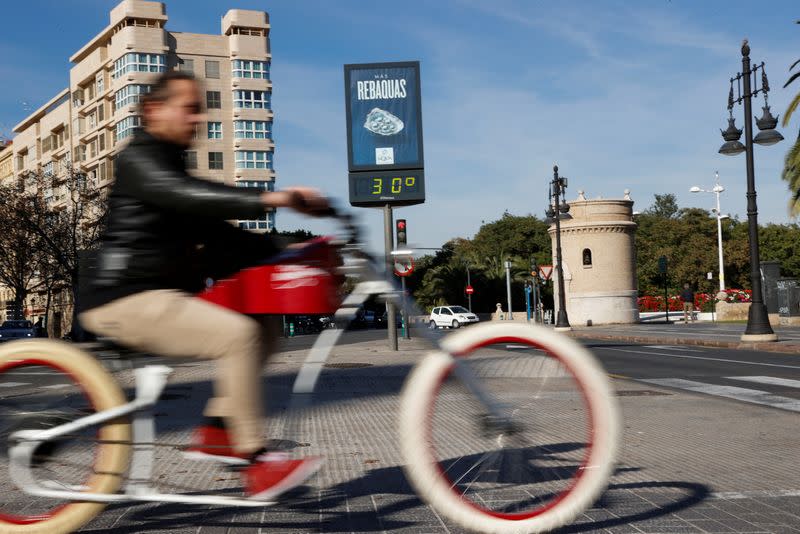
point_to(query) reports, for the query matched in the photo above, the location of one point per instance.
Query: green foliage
(689, 241)
(791, 166)
(442, 278)
(665, 207)
(686, 236)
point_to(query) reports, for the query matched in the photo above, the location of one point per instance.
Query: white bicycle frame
(150, 383)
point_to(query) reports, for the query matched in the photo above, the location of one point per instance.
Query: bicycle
(504, 427)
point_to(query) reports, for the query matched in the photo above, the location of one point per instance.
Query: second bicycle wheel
(537, 469)
(44, 384)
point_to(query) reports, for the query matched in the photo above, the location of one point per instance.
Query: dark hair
(160, 89)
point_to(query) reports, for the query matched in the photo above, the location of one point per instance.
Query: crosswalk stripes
(753, 396)
(771, 380)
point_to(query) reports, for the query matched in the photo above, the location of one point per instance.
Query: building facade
(599, 261)
(83, 127)
(87, 123)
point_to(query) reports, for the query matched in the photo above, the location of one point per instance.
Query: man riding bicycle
(166, 233)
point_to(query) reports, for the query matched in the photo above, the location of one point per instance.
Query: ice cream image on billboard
(382, 122)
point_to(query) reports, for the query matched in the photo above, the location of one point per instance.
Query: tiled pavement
(689, 463)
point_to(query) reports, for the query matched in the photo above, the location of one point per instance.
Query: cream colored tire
(112, 458)
(415, 419)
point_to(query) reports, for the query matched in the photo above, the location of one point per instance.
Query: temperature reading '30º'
(396, 185)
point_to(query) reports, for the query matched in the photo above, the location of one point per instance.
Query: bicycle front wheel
(44, 384)
(535, 469)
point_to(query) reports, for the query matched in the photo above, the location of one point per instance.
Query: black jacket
(167, 229)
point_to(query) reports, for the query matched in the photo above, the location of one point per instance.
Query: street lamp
(717, 190)
(758, 327)
(556, 210)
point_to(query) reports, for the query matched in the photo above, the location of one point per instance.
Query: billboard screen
(384, 116)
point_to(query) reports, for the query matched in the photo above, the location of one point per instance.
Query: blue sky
(620, 94)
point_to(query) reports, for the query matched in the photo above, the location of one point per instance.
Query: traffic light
(534, 268)
(400, 227)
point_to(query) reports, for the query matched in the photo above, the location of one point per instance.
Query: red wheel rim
(589, 445)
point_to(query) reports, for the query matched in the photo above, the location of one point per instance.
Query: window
(93, 149)
(101, 171)
(215, 130)
(101, 141)
(587, 257)
(213, 100)
(92, 120)
(130, 94)
(265, 222)
(186, 65)
(47, 168)
(125, 127)
(47, 144)
(251, 99)
(243, 68)
(257, 184)
(215, 160)
(252, 129)
(80, 153)
(190, 159)
(90, 90)
(99, 83)
(252, 159)
(212, 69)
(134, 62)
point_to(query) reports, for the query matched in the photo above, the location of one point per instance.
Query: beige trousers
(688, 311)
(173, 323)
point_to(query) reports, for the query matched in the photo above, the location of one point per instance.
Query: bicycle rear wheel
(44, 384)
(535, 471)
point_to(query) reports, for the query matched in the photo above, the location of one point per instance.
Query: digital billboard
(384, 117)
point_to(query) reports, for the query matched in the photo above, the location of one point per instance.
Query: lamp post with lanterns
(758, 327)
(557, 209)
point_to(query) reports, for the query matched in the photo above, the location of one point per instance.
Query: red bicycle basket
(298, 282)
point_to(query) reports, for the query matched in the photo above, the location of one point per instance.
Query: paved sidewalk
(723, 335)
(688, 463)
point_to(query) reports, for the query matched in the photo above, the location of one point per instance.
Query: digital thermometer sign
(384, 134)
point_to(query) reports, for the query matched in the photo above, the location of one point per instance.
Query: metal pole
(562, 320)
(404, 316)
(508, 289)
(388, 240)
(758, 327)
(719, 246)
(666, 293)
(469, 295)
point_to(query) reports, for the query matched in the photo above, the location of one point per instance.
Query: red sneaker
(213, 444)
(274, 473)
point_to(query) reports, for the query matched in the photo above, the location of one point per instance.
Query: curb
(763, 346)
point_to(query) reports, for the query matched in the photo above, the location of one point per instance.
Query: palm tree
(791, 167)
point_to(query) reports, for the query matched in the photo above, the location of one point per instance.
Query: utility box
(788, 297)
(770, 273)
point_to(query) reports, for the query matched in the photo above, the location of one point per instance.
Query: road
(763, 378)
(709, 445)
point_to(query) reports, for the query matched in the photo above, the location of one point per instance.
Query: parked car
(451, 317)
(17, 329)
(383, 320)
(304, 324)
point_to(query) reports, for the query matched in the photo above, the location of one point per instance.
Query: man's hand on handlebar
(306, 200)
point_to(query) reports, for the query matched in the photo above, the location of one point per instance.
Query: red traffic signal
(400, 230)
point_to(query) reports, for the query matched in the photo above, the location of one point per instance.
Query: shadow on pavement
(382, 500)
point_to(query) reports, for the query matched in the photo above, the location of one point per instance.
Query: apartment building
(6, 161)
(85, 124)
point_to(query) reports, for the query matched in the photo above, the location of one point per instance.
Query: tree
(791, 167)
(20, 258)
(665, 206)
(63, 215)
